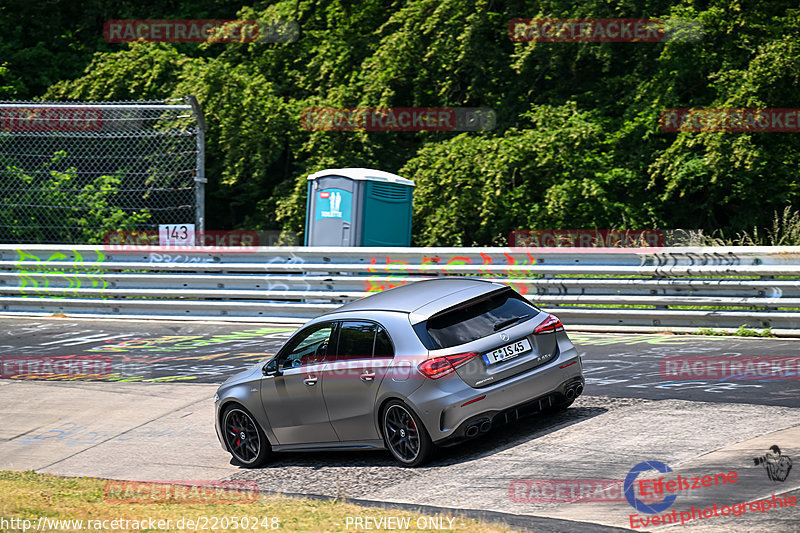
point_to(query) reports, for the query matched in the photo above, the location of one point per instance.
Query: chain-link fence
(71, 172)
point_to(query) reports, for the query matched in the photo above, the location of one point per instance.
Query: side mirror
(271, 368)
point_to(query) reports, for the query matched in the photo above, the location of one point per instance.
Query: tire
(404, 434)
(244, 438)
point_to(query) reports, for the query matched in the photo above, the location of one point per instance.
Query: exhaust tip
(570, 394)
(578, 390)
(472, 431)
(486, 426)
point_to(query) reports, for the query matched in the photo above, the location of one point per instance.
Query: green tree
(50, 205)
(577, 141)
(555, 173)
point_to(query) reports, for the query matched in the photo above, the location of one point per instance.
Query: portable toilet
(358, 207)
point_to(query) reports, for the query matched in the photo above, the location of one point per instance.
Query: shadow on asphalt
(497, 440)
(509, 435)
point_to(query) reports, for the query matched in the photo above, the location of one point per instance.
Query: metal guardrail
(646, 287)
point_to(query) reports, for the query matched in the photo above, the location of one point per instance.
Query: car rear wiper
(504, 323)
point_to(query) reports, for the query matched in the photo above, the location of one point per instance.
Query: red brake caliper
(238, 441)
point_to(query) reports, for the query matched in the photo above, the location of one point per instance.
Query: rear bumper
(449, 406)
(506, 416)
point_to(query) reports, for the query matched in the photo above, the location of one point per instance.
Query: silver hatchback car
(427, 364)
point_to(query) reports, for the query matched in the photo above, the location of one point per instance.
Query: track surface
(146, 414)
(616, 365)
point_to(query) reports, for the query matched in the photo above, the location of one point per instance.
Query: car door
(351, 380)
(292, 397)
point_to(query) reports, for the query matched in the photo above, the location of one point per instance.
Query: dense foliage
(49, 205)
(577, 141)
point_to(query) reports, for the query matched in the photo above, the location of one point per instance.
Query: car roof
(433, 295)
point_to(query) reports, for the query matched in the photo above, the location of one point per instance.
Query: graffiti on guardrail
(291, 260)
(380, 283)
(177, 258)
(520, 288)
(693, 259)
(189, 259)
(381, 268)
(279, 259)
(32, 268)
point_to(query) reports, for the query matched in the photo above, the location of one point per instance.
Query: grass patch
(30, 496)
(743, 331)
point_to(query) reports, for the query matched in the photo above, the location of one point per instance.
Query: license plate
(507, 352)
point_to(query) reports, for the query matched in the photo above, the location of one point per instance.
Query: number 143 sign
(176, 235)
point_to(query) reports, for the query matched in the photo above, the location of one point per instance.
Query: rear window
(476, 320)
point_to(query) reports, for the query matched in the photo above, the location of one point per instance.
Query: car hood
(247, 374)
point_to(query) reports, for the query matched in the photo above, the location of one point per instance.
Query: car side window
(383, 344)
(356, 340)
(309, 347)
(360, 339)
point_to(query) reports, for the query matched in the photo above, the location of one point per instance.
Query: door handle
(310, 381)
(368, 376)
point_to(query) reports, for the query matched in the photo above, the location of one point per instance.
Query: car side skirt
(376, 444)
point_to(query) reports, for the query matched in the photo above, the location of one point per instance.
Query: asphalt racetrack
(616, 365)
(143, 410)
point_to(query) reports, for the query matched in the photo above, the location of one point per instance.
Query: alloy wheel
(402, 434)
(242, 436)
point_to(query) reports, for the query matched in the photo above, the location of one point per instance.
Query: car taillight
(439, 367)
(550, 325)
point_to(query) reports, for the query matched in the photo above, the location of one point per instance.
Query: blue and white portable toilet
(358, 207)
